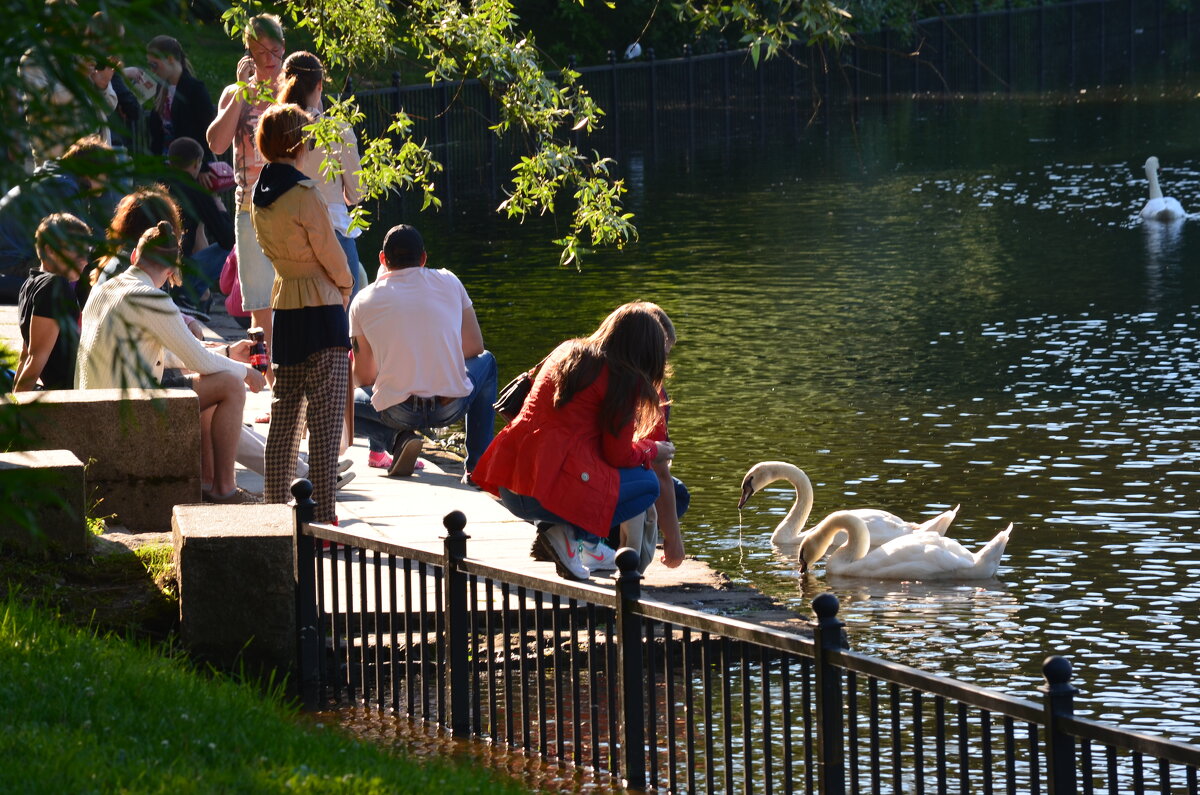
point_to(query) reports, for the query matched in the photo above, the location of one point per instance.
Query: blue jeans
(381, 427)
(351, 250)
(683, 497)
(202, 272)
(639, 490)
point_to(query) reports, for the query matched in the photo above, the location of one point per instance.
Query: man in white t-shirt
(419, 358)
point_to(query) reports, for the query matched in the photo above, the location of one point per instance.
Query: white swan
(881, 525)
(1159, 208)
(916, 556)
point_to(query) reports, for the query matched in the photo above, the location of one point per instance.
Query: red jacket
(562, 457)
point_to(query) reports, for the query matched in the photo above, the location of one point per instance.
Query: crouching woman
(577, 461)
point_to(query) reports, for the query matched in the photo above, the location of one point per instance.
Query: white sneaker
(598, 556)
(343, 465)
(568, 552)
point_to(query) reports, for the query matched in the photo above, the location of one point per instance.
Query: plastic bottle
(258, 352)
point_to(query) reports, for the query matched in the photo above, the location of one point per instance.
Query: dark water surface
(955, 303)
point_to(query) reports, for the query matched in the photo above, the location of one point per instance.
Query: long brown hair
(137, 212)
(632, 343)
(302, 75)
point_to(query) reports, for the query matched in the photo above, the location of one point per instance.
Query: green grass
(85, 713)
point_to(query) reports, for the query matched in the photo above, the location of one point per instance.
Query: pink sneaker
(382, 460)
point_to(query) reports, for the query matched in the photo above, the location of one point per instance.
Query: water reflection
(928, 313)
(1164, 240)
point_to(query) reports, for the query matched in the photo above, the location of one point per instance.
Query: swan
(883, 526)
(916, 556)
(1159, 208)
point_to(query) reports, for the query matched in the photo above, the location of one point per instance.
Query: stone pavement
(409, 511)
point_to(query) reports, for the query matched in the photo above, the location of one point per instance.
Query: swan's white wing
(1164, 209)
(924, 556)
(883, 526)
(940, 523)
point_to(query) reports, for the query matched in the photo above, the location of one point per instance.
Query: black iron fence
(667, 698)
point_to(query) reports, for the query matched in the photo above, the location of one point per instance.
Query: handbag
(511, 398)
(223, 178)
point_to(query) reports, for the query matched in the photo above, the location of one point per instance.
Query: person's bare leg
(263, 319)
(226, 394)
(206, 456)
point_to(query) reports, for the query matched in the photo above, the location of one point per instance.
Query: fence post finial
(308, 650)
(1059, 701)
(827, 637)
(630, 666)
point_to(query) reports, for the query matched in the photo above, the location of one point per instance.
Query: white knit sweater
(131, 330)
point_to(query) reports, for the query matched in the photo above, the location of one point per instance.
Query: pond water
(951, 303)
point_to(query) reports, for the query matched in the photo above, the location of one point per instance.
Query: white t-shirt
(412, 319)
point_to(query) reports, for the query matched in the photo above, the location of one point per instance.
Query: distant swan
(1159, 208)
(916, 556)
(881, 525)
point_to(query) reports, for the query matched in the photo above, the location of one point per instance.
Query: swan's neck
(1152, 176)
(790, 529)
(822, 535)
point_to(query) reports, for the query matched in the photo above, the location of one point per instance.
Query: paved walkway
(410, 510)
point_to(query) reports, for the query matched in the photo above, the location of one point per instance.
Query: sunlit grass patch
(81, 712)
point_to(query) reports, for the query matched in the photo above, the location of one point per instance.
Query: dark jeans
(381, 427)
(639, 490)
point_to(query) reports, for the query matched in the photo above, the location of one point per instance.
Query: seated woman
(578, 457)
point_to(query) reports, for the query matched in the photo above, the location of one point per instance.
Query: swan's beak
(803, 563)
(747, 493)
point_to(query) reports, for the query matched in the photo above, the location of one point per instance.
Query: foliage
(588, 31)
(768, 27)
(84, 713)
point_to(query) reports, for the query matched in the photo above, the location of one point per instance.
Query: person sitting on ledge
(47, 308)
(419, 358)
(129, 329)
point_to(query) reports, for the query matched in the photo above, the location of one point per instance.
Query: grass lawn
(81, 712)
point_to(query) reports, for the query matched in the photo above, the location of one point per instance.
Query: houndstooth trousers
(318, 384)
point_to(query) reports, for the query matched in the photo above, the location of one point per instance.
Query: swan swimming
(1159, 208)
(916, 556)
(881, 525)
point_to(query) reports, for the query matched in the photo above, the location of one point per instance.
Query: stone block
(44, 501)
(141, 447)
(237, 600)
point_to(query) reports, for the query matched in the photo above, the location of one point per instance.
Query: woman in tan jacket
(309, 297)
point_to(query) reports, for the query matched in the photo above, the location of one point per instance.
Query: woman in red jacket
(578, 457)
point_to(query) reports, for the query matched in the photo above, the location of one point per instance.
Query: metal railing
(664, 697)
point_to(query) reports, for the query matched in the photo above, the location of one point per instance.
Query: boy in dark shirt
(46, 307)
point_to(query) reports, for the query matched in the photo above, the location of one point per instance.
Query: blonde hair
(262, 26)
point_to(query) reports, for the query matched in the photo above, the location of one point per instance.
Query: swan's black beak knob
(747, 493)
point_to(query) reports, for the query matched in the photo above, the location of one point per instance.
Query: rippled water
(955, 304)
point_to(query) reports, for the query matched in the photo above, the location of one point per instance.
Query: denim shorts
(255, 271)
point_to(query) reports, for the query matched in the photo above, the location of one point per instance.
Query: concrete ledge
(237, 600)
(141, 447)
(45, 488)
